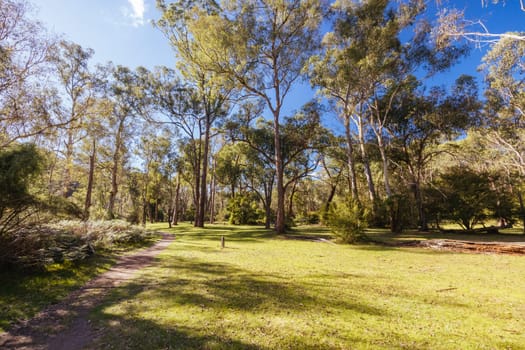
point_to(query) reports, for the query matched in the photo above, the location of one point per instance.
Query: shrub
(310, 218)
(347, 221)
(20, 165)
(38, 246)
(244, 210)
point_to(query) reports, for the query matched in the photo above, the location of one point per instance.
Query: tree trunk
(422, 220)
(366, 165)
(290, 201)
(522, 209)
(280, 223)
(197, 188)
(212, 196)
(89, 189)
(175, 219)
(384, 159)
(66, 177)
(114, 170)
(350, 161)
(144, 210)
(268, 209)
(331, 196)
(204, 175)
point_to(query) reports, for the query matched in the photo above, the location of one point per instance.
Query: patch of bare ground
(515, 248)
(65, 325)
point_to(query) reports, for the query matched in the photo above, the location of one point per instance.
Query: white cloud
(136, 13)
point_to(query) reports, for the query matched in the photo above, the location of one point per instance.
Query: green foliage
(347, 221)
(397, 208)
(36, 247)
(467, 196)
(19, 166)
(244, 210)
(309, 218)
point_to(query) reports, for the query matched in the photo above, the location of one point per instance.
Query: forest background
(394, 134)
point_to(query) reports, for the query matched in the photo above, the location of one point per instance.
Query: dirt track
(65, 326)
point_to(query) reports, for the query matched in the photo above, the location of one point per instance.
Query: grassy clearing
(263, 292)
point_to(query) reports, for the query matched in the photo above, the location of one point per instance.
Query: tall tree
(261, 46)
(24, 54)
(211, 91)
(76, 83)
(504, 68)
(422, 121)
(129, 100)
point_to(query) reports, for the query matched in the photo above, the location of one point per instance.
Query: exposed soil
(516, 248)
(65, 325)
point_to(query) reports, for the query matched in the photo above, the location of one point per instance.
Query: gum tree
(211, 92)
(260, 46)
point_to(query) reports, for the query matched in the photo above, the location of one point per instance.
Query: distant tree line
(209, 140)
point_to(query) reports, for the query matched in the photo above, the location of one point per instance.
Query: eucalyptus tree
(334, 162)
(358, 55)
(156, 151)
(504, 68)
(24, 58)
(95, 131)
(194, 111)
(129, 101)
(261, 47)
(229, 167)
(302, 141)
(453, 25)
(422, 121)
(211, 90)
(375, 48)
(77, 95)
(255, 140)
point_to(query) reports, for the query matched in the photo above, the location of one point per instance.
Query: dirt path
(65, 326)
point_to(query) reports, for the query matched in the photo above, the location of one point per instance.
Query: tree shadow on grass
(147, 334)
(253, 234)
(236, 289)
(216, 289)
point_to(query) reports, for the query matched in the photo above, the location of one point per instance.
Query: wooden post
(223, 243)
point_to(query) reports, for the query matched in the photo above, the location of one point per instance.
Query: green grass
(264, 292)
(23, 294)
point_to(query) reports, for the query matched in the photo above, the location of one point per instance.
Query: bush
(20, 165)
(310, 218)
(347, 221)
(244, 210)
(38, 246)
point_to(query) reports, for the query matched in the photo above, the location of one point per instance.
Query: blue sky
(120, 31)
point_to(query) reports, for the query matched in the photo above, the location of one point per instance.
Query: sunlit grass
(264, 292)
